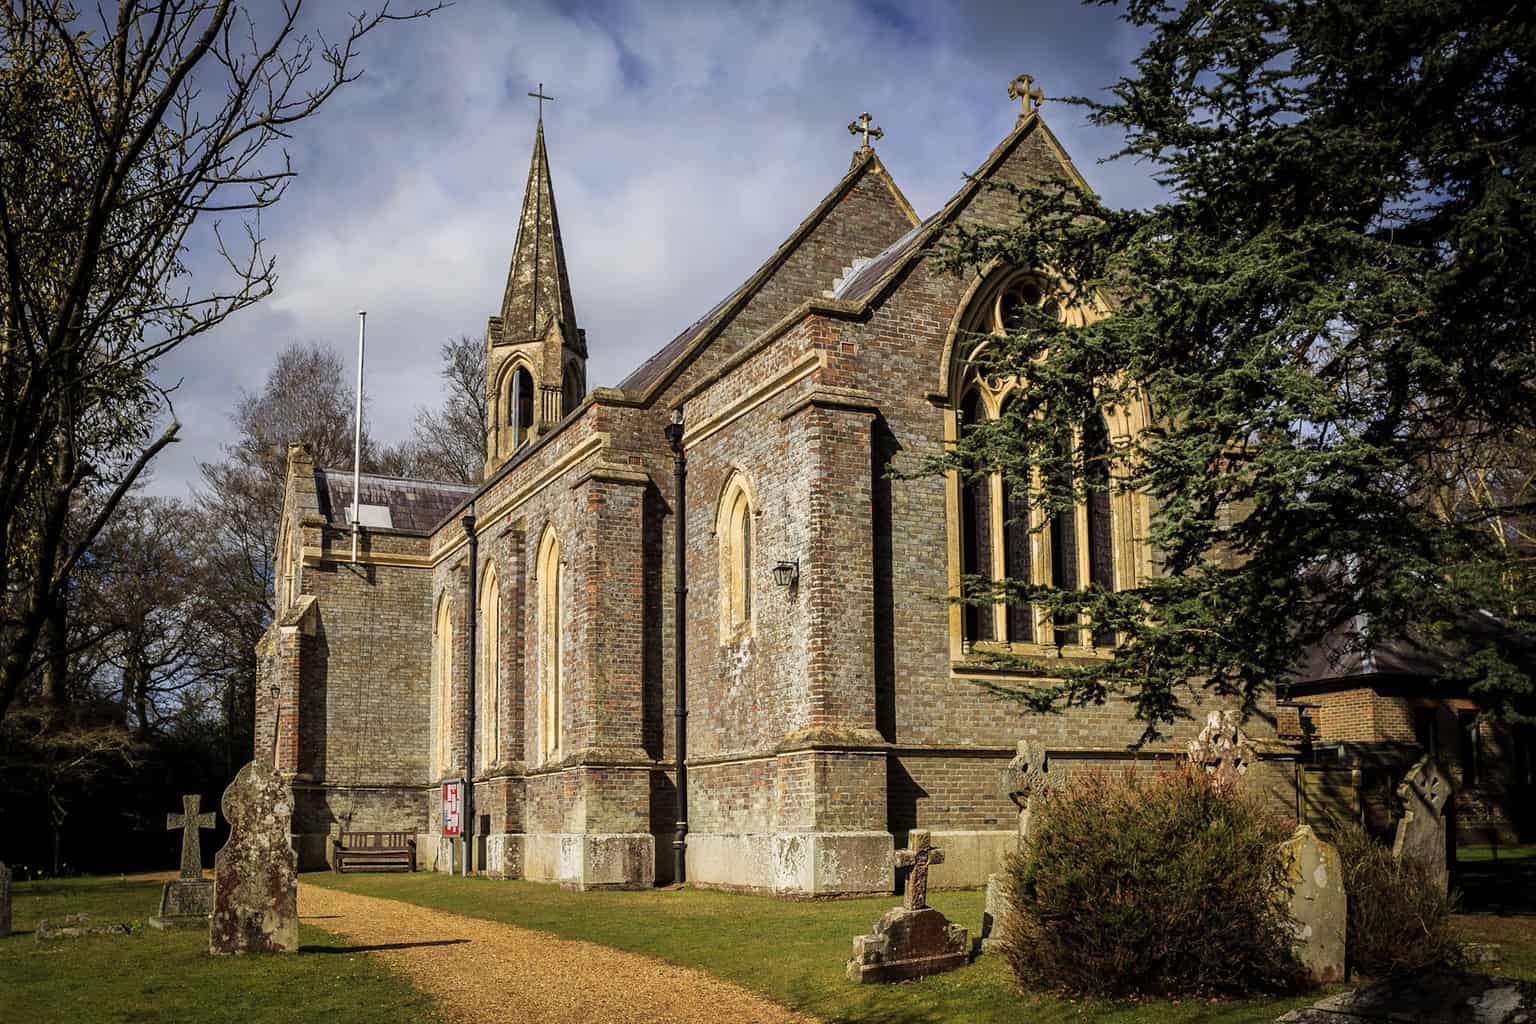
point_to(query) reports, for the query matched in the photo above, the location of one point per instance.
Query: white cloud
(685, 142)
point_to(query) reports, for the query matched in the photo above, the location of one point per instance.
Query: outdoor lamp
(786, 573)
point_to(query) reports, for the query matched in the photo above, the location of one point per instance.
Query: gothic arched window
(442, 687)
(520, 407)
(733, 530)
(999, 534)
(550, 580)
(488, 673)
(572, 388)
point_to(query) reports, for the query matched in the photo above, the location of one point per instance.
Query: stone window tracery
(997, 533)
(550, 580)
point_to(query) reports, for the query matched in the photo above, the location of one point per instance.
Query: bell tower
(536, 356)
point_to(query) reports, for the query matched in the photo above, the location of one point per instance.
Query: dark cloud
(686, 141)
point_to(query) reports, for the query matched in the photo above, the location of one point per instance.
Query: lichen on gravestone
(255, 902)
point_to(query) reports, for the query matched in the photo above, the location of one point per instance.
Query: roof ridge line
(729, 306)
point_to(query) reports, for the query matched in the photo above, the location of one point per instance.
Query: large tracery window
(999, 534)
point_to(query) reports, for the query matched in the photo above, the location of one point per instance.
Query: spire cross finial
(1024, 89)
(861, 126)
(538, 94)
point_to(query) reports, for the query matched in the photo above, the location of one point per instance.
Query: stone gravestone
(255, 876)
(1027, 776)
(912, 940)
(5, 901)
(1317, 903)
(1421, 830)
(186, 902)
(1223, 749)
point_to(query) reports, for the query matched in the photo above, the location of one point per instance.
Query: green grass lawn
(1497, 895)
(793, 952)
(150, 976)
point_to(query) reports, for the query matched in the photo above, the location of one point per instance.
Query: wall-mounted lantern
(786, 573)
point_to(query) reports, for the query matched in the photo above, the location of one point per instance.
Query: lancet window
(519, 406)
(442, 687)
(488, 672)
(734, 525)
(550, 584)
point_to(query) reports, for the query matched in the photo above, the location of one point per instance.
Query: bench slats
(374, 851)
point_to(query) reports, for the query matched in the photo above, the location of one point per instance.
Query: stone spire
(536, 356)
(538, 294)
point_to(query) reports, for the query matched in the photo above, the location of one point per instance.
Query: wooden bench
(374, 851)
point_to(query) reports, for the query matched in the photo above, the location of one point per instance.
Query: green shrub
(1157, 884)
(1399, 918)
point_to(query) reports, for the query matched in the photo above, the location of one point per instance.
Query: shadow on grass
(382, 946)
(1504, 884)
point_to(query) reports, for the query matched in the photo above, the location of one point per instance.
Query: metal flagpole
(357, 428)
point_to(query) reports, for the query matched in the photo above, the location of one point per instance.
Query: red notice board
(453, 806)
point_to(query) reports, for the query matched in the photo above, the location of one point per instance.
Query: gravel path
(487, 971)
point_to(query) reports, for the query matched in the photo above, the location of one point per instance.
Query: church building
(521, 635)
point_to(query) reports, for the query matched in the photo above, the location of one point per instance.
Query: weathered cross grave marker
(1223, 749)
(190, 821)
(1024, 781)
(255, 876)
(912, 940)
(1421, 830)
(187, 901)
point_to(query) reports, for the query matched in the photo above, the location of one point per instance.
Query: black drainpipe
(680, 644)
(468, 826)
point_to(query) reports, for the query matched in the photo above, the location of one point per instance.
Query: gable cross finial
(861, 126)
(538, 94)
(1025, 90)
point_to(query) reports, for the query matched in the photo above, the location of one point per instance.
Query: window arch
(515, 423)
(735, 527)
(996, 532)
(572, 388)
(442, 687)
(550, 579)
(488, 672)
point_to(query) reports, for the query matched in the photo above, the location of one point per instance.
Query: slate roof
(415, 506)
(1341, 656)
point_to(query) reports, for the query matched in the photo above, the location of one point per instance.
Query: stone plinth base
(166, 924)
(590, 860)
(793, 863)
(970, 856)
(501, 854)
(908, 944)
(184, 903)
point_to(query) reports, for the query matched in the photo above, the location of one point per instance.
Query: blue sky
(686, 141)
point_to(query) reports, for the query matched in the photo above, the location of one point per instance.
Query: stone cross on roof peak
(919, 854)
(190, 821)
(1024, 89)
(861, 126)
(538, 94)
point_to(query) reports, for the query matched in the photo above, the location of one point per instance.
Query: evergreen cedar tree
(1330, 319)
